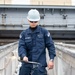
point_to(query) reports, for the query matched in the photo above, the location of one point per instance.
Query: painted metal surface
(59, 20)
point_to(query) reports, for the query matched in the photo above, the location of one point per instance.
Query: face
(33, 24)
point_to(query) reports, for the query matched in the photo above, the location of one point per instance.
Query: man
(32, 46)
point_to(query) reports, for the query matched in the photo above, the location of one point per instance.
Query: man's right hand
(25, 59)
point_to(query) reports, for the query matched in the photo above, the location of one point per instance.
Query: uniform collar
(36, 31)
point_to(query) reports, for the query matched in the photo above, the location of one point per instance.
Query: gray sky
(20, 1)
(73, 2)
(28, 2)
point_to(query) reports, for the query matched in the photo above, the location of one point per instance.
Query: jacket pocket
(28, 43)
(40, 41)
(40, 38)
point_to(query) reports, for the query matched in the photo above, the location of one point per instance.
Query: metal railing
(64, 63)
(65, 60)
(8, 59)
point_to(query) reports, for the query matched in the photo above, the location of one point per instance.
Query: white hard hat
(33, 15)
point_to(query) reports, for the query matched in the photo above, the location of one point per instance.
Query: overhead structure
(59, 20)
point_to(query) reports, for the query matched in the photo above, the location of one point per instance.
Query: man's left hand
(50, 65)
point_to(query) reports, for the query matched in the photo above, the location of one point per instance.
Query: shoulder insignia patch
(20, 36)
(48, 34)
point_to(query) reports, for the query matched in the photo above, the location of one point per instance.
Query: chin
(33, 26)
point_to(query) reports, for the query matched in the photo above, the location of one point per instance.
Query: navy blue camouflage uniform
(33, 44)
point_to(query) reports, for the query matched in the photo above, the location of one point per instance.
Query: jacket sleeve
(22, 46)
(50, 45)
